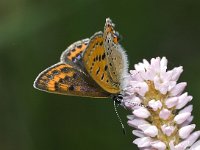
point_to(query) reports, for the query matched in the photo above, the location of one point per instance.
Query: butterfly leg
(118, 101)
(117, 98)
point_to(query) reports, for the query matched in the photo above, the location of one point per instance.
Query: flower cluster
(164, 121)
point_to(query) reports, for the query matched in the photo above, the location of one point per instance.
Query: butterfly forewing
(96, 64)
(63, 78)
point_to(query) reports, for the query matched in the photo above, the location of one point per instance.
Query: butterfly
(92, 67)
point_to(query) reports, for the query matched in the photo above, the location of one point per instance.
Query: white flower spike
(162, 125)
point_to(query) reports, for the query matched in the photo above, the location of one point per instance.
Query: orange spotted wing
(73, 54)
(69, 77)
(97, 65)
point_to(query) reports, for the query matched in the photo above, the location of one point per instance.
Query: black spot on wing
(98, 71)
(67, 78)
(97, 58)
(69, 53)
(103, 56)
(102, 77)
(75, 75)
(62, 81)
(56, 86)
(101, 43)
(73, 59)
(55, 72)
(71, 88)
(78, 56)
(50, 76)
(64, 70)
(106, 67)
(79, 46)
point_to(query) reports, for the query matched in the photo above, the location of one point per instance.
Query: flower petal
(185, 131)
(141, 112)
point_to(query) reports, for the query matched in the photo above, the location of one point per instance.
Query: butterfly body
(91, 67)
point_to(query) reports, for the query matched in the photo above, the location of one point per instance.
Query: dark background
(33, 34)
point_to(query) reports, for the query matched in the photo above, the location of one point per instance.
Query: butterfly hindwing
(64, 78)
(115, 53)
(96, 64)
(74, 53)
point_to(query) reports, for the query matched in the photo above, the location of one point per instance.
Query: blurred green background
(33, 34)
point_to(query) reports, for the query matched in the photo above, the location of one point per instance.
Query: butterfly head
(110, 32)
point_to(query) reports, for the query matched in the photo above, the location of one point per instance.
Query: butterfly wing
(67, 79)
(105, 59)
(96, 64)
(118, 63)
(99, 62)
(73, 54)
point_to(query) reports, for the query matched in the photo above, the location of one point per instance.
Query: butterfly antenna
(120, 120)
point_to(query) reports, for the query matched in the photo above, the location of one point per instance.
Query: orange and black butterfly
(91, 67)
